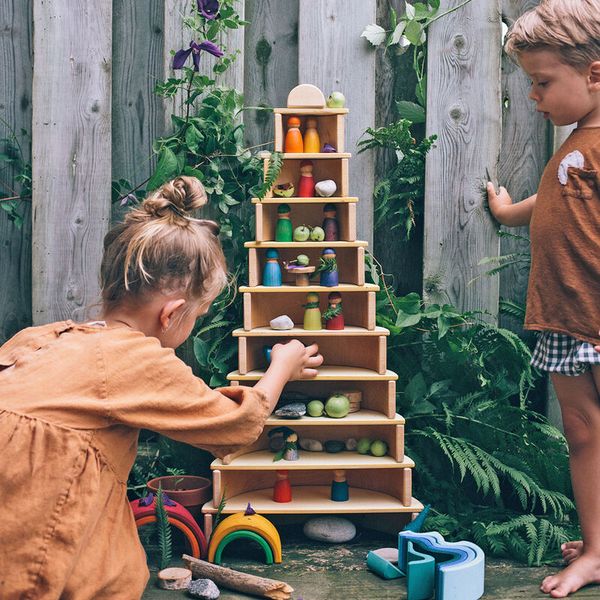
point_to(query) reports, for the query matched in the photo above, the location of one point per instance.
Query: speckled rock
(351, 444)
(311, 445)
(295, 410)
(334, 530)
(205, 589)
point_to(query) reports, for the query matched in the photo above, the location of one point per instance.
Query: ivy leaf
(411, 111)
(416, 389)
(413, 31)
(410, 304)
(398, 31)
(407, 320)
(410, 11)
(374, 33)
(166, 169)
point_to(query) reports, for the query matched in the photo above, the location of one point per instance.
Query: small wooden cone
(236, 580)
(174, 578)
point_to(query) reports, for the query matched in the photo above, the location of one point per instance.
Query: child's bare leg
(571, 550)
(580, 406)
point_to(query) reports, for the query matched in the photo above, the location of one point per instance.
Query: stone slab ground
(319, 571)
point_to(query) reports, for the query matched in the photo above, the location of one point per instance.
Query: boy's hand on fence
(299, 361)
(498, 202)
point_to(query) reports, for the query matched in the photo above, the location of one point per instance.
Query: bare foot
(571, 551)
(583, 571)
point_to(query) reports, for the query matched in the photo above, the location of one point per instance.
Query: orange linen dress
(72, 401)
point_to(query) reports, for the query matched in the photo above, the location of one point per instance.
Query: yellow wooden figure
(312, 143)
(312, 312)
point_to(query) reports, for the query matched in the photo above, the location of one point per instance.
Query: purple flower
(208, 8)
(182, 55)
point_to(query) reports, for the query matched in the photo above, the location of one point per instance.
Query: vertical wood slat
(15, 112)
(71, 154)
(463, 109)
(177, 36)
(138, 117)
(271, 59)
(522, 158)
(333, 56)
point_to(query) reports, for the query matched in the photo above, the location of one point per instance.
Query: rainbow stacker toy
(450, 570)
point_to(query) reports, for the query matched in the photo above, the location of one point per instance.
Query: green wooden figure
(284, 229)
(312, 312)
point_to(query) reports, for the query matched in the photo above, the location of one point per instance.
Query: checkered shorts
(560, 353)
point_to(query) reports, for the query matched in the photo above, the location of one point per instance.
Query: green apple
(301, 233)
(317, 234)
(363, 445)
(337, 406)
(302, 260)
(378, 448)
(315, 408)
(336, 100)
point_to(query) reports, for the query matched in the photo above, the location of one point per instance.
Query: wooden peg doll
(282, 490)
(293, 137)
(328, 268)
(284, 228)
(339, 487)
(330, 223)
(312, 312)
(289, 451)
(272, 270)
(333, 316)
(312, 143)
(306, 185)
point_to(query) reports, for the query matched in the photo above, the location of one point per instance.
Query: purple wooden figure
(330, 223)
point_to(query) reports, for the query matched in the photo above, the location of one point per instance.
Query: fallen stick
(236, 580)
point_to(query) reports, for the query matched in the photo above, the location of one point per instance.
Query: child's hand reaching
(299, 360)
(503, 209)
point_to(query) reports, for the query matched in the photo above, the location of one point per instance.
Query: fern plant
(494, 470)
(163, 530)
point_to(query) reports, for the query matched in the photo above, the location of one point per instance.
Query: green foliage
(18, 190)
(494, 470)
(399, 195)
(273, 170)
(163, 531)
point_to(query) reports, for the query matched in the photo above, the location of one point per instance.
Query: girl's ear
(167, 311)
(594, 74)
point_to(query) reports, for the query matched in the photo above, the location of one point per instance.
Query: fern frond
(163, 528)
(273, 170)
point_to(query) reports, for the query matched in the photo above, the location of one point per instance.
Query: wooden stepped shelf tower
(354, 357)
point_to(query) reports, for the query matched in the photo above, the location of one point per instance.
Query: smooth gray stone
(351, 444)
(281, 322)
(334, 530)
(295, 410)
(334, 446)
(205, 589)
(311, 445)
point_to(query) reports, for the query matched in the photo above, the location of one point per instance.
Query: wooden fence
(79, 76)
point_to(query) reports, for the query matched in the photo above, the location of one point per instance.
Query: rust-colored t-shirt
(564, 282)
(72, 401)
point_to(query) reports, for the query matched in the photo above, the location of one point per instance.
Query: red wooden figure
(306, 185)
(333, 316)
(282, 490)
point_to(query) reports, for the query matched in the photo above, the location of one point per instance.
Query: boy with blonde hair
(558, 45)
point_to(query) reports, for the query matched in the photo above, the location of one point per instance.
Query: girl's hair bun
(179, 197)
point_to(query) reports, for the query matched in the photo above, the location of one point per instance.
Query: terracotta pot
(190, 491)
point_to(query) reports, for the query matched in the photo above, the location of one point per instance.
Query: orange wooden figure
(293, 137)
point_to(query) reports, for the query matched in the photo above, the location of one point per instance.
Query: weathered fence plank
(271, 59)
(15, 114)
(71, 154)
(523, 156)
(138, 117)
(463, 108)
(333, 56)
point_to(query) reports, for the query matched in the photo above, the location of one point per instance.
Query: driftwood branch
(236, 580)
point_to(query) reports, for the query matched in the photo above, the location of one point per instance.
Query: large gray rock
(295, 410)
(205, 589)
(334, 530)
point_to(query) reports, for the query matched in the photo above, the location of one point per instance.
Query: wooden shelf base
(329, 373)
(360, 417)
(309, 499)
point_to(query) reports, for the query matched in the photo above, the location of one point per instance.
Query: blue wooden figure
(328, 268)
(272, 270)
(339, 487)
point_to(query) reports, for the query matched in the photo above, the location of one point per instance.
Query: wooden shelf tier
(361, 417)
(343, 287)
(299, 332)
(307, 499)
(262, 460)
(315, 155)
(311, 200)
(307, 244)
(311, 111)
(327, 373)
